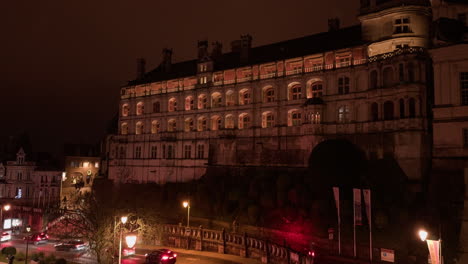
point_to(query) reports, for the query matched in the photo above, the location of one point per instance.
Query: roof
(308, 45)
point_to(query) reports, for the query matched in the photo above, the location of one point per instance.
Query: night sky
(62, 62)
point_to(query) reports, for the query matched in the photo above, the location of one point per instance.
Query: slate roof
(308, 45)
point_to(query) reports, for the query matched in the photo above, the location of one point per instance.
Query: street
(86, 258)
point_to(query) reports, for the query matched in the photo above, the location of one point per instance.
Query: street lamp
(28, 229)
(422, 234)
(6, 207)
(123, 219)
(186, 204)
(435, 245)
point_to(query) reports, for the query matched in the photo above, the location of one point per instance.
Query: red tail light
(38, 238)
(165, 258)
(175, 255)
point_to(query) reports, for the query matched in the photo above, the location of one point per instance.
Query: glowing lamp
(6, 207)
(124, 219)
(422, 234)
(85, 164)
(28, 229)
(185, 204)
(131, 240)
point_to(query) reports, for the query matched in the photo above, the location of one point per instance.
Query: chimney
(202, 49)
(217, 50)
(140, 68)
(167, 59)
(246, 45)
(333, 24)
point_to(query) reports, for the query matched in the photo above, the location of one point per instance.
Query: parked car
(71, 245)
(5, 236)
(37, 238)
(161, 256)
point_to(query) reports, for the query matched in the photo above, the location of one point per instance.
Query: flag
(367, 202)
(357, 207)
(434, 250)
(336, 194)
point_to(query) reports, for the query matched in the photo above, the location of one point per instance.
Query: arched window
(374, 112)
(294, 118)
(316, 118)
(202, 101)
(154, 127)
(295, 91)
(317, 88)
(388, 77)
(244, 121)
(230, 98)
(373, 80)
(201, 125)
(125, 110)
(402, 108)
(412, 108)
(229, 121)
(124, 129)
(216, 100)
(156, 107)
(343, 114)
(268, 95)
(343, 85)
(244, 97)
(188, 103)
(171, 125)
(388, 110)
(216, 123)
(140, 108)
(268, 120)
(172, 106)
(188, 125)
(139, 128)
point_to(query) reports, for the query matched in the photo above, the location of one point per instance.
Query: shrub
(9, 251)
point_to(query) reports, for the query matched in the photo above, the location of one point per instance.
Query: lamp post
(6, 207)
(186, 204)
(423, 234)
(123, 219)
(28, 229)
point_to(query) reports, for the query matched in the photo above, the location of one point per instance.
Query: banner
(367, 204)
(357, 207)
(336, 194)
(434, 250)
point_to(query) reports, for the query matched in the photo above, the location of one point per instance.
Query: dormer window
(203, 67)
(402, 25)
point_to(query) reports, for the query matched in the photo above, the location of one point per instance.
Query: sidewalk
(227, 257)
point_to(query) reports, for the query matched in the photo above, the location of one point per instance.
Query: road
(86, 258)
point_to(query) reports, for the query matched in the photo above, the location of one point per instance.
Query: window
(189, 103)
(139, 128)
(229, 122)
(170, 152)
(154, 127)
(401, 102)
(122, 152)
(138, 152)
(412, 108)
(230, 98)
(19, 176)
(216, 123)
(374, 112)
(343, 114)
(315, 118)
(216, 100)
(201, 126)
(401, 72)
(156, 107)
(244, 97)
(203, 67)
(388, 77)
(268, 120)
(172, 106)
(465, 137)
(295, 92)
(244, 121)
(124, 129)
(188, 125)
(187, 152)
(125, 110)
(202, 101)
(294, 118)
(268, 95)
(402, 25)
(343, 85)
(344, 62)
(388, 110)
(200, 151)
(317, 89)
(464, 88)
(153, 152)
(172, 125)
(140, 108)
(203, 80)
(373, 80)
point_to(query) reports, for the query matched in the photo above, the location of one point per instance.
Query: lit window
(216, 123)
(229, 122)
(139, 128)
(203, 80)
(124, 129)
(201, 126)
(402, 25)
(294, 118)
(202, 101)
(188, 125)
(125, 110)
(343, 114)
(154, 127)
(244, 121)
(230, 98)
(295, 92)
(244, 97)
(172, 105)
(187, 152)
(203, 67)
(216, 100)
(317, 89)
(172, 125)
(464, 87)
(268, 120)
(140, 108)
(189, 103)
(343, 85)
(269, 95)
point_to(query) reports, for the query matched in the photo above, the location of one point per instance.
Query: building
(271, 106)
(450, 153)
(19, 180)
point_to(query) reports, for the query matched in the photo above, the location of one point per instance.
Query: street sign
(387, 255)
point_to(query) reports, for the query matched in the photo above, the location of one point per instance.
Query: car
(161, 256)
(37, 238)
(71, 245)
(128, 251)
(5, 236)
